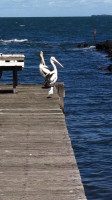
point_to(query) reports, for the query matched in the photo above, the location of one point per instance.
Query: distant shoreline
(104, 15)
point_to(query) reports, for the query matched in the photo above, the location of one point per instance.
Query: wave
(84, 48)
(90, 47)
(21, 25)
(14, 40)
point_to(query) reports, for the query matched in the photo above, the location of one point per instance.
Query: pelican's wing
(44, 70)
(47, 79)
(51, 79)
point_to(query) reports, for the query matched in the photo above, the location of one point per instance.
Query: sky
(52, 8)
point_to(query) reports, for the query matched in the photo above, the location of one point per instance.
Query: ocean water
(88, 101)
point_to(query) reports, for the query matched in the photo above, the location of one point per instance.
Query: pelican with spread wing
(44, 70)
(50, 76)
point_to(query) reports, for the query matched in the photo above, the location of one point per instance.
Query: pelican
(50, 76)
(44, 70)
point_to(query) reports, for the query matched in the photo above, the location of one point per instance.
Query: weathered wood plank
(36, 157)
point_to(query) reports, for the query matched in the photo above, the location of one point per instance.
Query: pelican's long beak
(41, 53)
(42, 58)
(58, 63)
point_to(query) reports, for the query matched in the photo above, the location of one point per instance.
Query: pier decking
(36, 157)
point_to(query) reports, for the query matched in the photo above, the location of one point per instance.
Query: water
(88, 102)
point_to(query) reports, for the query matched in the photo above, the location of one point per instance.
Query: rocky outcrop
(107, 68)
(107, 47)
(104, 46)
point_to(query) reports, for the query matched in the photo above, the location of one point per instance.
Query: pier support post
(15, 80)
(61, 94)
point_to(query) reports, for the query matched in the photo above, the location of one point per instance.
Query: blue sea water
(88, 101)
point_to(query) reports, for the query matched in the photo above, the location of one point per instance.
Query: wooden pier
(36, 158)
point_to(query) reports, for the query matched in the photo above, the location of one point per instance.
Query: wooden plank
(36, 157)
(11, 57)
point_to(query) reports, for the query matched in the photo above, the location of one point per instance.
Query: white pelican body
(50, 76)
